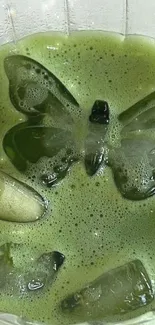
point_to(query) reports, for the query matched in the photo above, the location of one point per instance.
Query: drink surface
(89, 220)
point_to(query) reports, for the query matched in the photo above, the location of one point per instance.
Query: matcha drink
(77, 127)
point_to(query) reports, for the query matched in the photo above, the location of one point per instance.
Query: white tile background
(19, 18)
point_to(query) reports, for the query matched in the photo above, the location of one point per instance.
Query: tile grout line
(126, 17)
(10, 16)
(67, 17)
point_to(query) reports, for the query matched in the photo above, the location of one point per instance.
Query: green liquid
(88, 219)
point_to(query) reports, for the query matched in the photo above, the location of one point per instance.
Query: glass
(19, 18)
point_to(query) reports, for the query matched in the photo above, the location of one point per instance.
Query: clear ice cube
(139, 113)
(19, 202)
(22, 279)
(43, 271)
(33, 88)
(133, 166)
(119, 291)
(26, 143)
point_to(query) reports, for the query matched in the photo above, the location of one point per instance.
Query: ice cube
(25, 142)
(119, 291)
(95, 149)
(132, 168)
(144, 106)
(45, 270)
(35, 275)
(100, 112)
(33, 87)
(133, 164)
(144, 121)
(18, 201)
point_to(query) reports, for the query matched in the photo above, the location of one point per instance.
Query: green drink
(77, 126)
